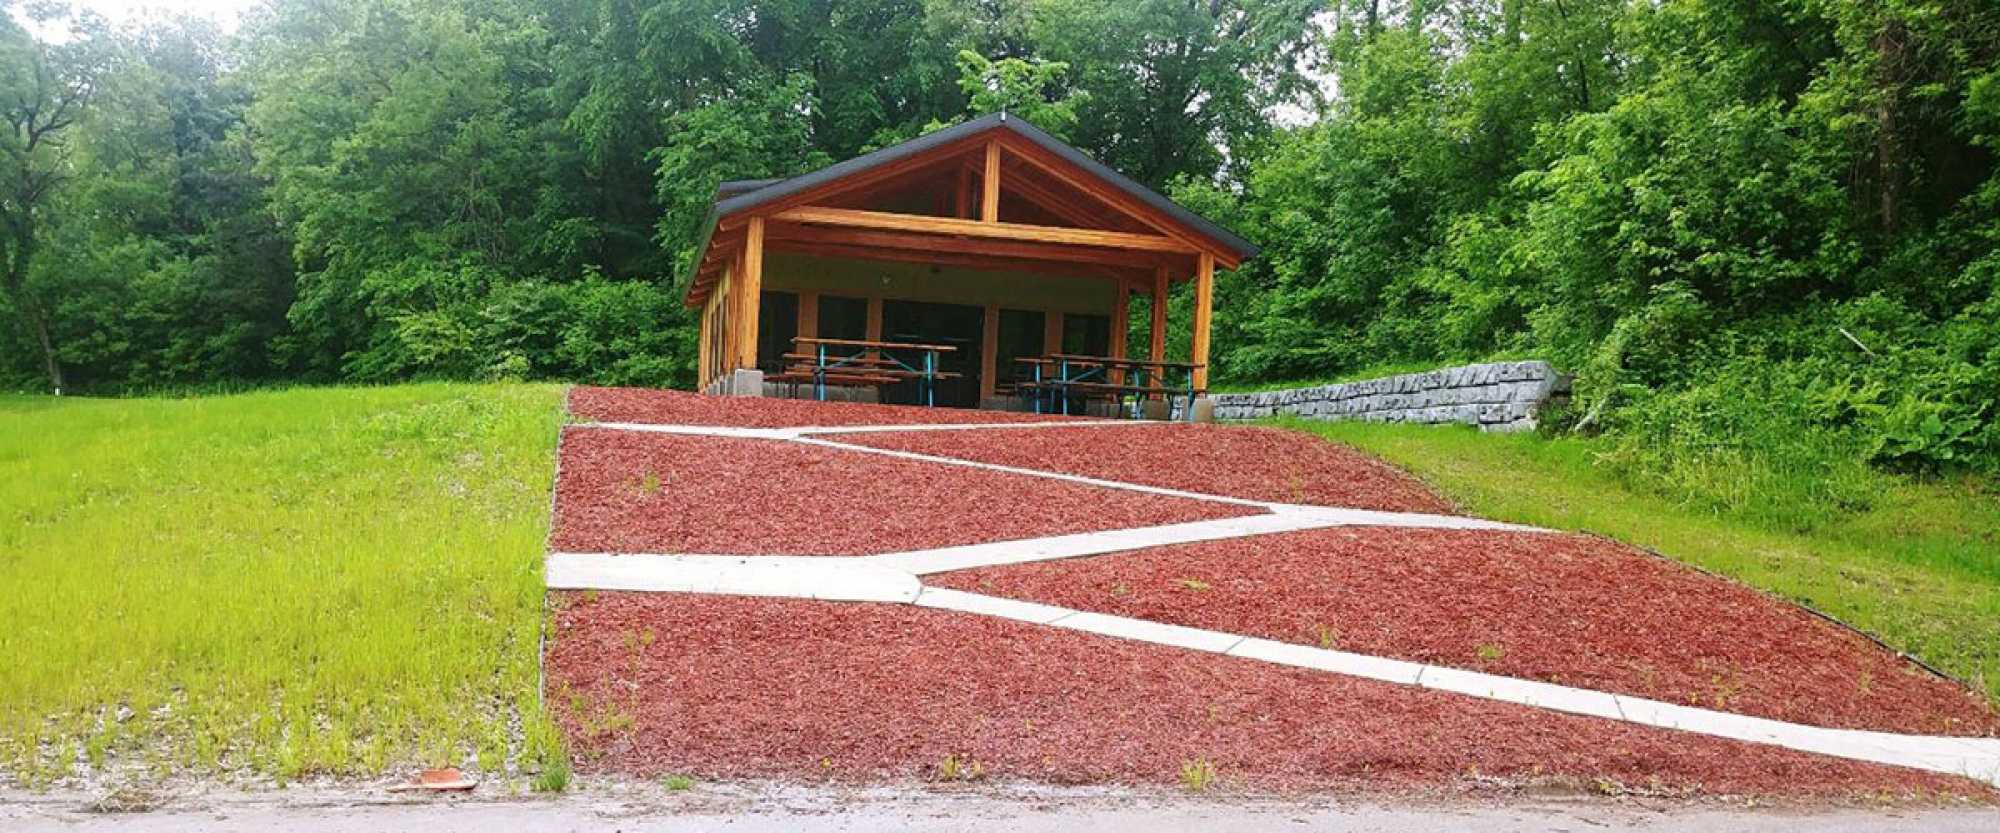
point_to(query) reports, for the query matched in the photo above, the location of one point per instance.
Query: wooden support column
(1159, 328)
(751, 293)
(1121, 323)
(989, 203)
(1052, 332)
(989, 352)
(730, 317)
(808, 314)
(875, 318)
(702, 346)
(1204, 299)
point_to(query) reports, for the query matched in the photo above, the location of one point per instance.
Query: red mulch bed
(625, 491)
(1569, 609)
(721, 687)
(1238, 461)
(682, 408)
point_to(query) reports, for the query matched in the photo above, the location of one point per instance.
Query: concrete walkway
(894, 578)
(638, 807)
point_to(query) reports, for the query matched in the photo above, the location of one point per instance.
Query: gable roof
(736, 197)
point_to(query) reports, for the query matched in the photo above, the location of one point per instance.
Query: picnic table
(1056, 378)
(855, 362)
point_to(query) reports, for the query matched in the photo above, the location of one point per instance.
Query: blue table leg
(819, 376)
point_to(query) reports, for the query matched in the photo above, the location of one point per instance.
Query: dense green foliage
(1765, 233)
(1762, 233)
(369, 190)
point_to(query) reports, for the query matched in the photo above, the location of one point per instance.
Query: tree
(44, 89)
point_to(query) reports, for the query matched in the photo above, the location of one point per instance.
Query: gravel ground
(625, 491)
(598, 805)
(733, 687)
(1569, 609)
(1237, 461)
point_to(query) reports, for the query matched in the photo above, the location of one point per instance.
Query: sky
(224, 12)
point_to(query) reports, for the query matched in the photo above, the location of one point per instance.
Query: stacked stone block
(1499, 396)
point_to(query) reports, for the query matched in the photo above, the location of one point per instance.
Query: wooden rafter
(935, 257)
(850, 218)
(1059, 170)
(1018, 249)
(989, 202)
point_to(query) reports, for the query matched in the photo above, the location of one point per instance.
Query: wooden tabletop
(874, 345)
(1054, 358)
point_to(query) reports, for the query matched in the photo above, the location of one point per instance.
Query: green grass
(287, 582)
(1920, 568)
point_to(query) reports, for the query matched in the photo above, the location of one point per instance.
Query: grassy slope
(1921, 570)
(312, 580)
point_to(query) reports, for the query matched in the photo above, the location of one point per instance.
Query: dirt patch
(725, 687)
(625, 491)
(672, 407)
(1237, 461)
(1566, 609)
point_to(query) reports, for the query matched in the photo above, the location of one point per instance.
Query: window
(1020, 336)
(777, 323)
(1086, 335)
(843, 317)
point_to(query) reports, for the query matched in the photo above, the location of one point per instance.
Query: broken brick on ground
(734, 687)
(671, 407)
(624, 491)
(1568, 609)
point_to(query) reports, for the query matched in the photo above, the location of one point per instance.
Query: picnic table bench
(857, 362)
(1058, 377)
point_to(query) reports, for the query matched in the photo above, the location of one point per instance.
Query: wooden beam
(808, 326)
(1060, 170)
(1026, 250)
(864, 179)
(1204, 298)
(989, 352)
(851, 218)
(1159, 328)
(701, 347)
(989, 200)
(752, 292)
(935, 257)
(1121, 322)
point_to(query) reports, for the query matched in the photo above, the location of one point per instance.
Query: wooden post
(808, 315)
(1052, 332)
(707, 325)
(751, 293)
(1204, 298)
(1159, 328)
(725, 315)
(1121, 321)
(989, 203)
(874, 318)
(989, 353)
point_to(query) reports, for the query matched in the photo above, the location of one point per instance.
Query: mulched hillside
(721, 687)
(1568, 609)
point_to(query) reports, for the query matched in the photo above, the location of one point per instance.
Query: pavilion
(983, 265)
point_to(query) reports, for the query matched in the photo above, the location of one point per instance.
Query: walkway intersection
(896, 578)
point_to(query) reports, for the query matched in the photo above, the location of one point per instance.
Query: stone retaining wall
(1500, 396)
